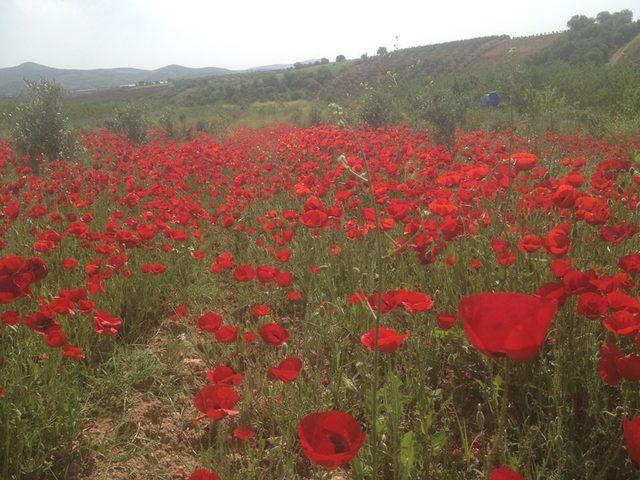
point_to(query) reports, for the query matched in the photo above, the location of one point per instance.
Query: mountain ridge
(77, 80)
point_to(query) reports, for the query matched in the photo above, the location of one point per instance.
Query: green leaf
(357, 469)
(497, 383)
(438, 442)
(407, 453)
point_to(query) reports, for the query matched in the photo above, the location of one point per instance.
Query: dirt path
(619, 54)
(151, 433)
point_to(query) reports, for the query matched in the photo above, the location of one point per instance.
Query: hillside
(337, 80)
(450, 58)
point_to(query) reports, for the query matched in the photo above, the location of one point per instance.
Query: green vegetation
(130, 120)
(38, 127)
(591, 40)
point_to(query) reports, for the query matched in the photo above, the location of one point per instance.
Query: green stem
(379, 270)
(498, 444)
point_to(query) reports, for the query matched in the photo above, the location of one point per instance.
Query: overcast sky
(247, 33)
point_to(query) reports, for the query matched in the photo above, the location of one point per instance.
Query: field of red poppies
(322, 303)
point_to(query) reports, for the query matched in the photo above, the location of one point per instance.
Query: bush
(166, 123)
(39, 129)
(443, 108)
(131, 122)
(379, 108)
(315, 115)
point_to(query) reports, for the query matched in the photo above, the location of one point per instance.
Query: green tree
(382, 51)
(591, 40)
(340, 58)
(40, 130)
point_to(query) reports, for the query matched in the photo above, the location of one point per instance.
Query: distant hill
(267, 68)
(75, 80)
(82, 81)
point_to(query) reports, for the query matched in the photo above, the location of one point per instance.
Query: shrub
(130, 121)
(379, 108)
(166, 123)
(315, 115)
(39, 129)
(443, 109)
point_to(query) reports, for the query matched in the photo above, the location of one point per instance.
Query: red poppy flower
(446, 321)
(261, 310)
(591, 305)
(560, 266)
(557, 241)
(554, 291)
(576, 282)
(330, 439)
(70, 351)
(388, 339)
(507, 323)
(273, 334)
(628, 367)
(69, 263)
(55, 338)
(631, 430)
(619, 300)
(609, 352)
(224, 374)
(530, 243)
(284, 279)
(244, 433)
(244, 273)
(565, 196)
(198, 255)
(283, 255)
(249, 337)
(294, 295)
(622, 323)
(103, 323)
(504, 473)
(153, 269)
(209, 322)
(524, 161)
(216, 401)
(203, 475)
(12, 210)
(17, 274)
(179, 312)
(10, 318)
(266, 273)
(314, 219)
(413, 302)
(630, 263)
(226, 334)
(287, 370)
